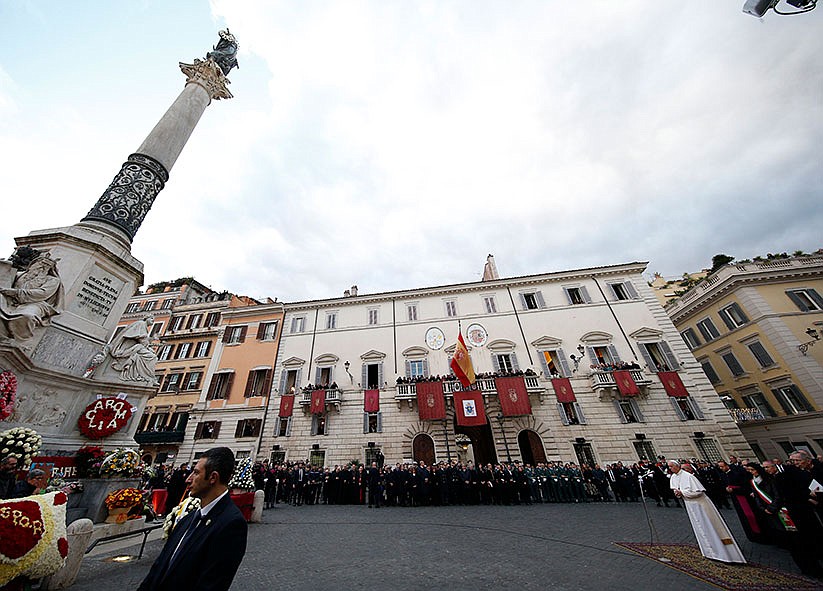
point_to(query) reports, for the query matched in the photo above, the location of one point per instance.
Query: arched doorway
(531, 447)
(423, 449)
(482, 443)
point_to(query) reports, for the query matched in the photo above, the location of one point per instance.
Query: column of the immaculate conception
(60, 346)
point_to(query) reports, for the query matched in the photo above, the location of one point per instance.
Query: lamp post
(804, 347)
(505, 440)
(347, 365)
(576, 359)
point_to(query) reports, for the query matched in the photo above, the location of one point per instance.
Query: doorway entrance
(423, 449)
(482, 442)
(531, 448)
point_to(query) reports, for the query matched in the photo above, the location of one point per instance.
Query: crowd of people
(453, 378)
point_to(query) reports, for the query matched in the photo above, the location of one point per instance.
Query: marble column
(123, 206)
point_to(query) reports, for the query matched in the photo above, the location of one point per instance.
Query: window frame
(703, 326)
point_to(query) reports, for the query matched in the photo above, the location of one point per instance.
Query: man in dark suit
(206, 547)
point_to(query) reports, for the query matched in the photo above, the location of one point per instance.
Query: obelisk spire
(124, 205)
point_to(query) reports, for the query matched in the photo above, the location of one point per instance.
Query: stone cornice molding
(208, 75)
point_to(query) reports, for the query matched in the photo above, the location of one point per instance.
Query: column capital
(207, 74)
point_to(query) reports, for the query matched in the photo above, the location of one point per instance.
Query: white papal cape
(712, 533)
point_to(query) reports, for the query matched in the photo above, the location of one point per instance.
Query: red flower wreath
(8, 392)
(103, 417)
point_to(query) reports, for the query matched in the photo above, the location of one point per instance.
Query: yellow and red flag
(461, 363)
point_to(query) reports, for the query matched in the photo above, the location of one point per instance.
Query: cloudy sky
(394, 144)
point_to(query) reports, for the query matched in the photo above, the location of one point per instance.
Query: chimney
(490, 269)
(353, 290)
(346, 293)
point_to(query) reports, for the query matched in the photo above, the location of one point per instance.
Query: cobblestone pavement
(556, 546)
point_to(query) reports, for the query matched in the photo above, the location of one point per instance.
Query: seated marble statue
(35, 296)
(225, 52)
(132, 353)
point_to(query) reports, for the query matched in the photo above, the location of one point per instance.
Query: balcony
(604, 380)
(333, 396)
(150, 437)
(742, 415)
(485, 385)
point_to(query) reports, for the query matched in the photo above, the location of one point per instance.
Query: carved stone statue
(35, 296)
(225, 52)
(40, 409)
(132, 356)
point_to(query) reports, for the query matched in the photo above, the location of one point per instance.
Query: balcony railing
(146, 437)
(605, 379)
(485, 385)
(333, 396)
(741, 415)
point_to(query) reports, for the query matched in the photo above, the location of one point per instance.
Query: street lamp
(804, 347)
(576, 359)
(347, 365)
(505, 440)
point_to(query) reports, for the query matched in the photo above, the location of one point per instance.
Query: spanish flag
(461, 363)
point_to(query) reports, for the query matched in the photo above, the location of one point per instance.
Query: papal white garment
(712, 533)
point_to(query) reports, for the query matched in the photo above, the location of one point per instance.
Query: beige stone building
(753, 327)
(553, 325)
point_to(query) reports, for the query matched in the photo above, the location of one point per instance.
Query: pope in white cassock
(712, 533)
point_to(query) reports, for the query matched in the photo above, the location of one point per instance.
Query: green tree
(719, 260)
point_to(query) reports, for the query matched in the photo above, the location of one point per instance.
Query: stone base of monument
(93, 498)
(79, 534)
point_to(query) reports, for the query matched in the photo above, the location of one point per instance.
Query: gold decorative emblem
(430, 400)
(512, 395)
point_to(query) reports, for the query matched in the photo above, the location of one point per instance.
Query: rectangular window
(172, 382)
(807, 300)
(258, 383)
(690, 337)
(629, 412)
(133, 307)
(373, 318)
(709, 371)
(733, 364)
(202, 349)
(182, 351)
(490, 304)
(758, 401)
(372, 422)
(298, 324)
(570, 413)
(733, 316)
(411, 312)
(207, 430)
(168, 303)
(417, 368)
(603, 355)
(247, 428)
(192, 381)
(213, 319)
(319, 425)
(760, 353)
(235, 335)
(156, 329)
(331, 320)
(504, 362)
(289, 380)
(451, 308)
(792, 400)
(266, 331)
(371, 454)
(531, 301)
(554, 364)
(194, 321)
(284, 427)
(220, 386)
(149, 305)
(177, 322)
(707, 449)
(659, 356)
(317, 457)
(577, 295)
(708, 329)
(645, 450)
(164, 354)
(158, 421)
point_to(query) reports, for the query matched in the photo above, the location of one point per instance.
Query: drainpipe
(620, 326)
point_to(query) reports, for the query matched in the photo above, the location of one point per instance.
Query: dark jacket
(206, 562)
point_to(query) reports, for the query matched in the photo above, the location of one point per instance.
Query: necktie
(186, 536)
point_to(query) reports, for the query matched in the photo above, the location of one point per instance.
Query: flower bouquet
(241, 479)
(8, 392)
(186, 506)
(122, 463)
(121, 502)
(20, 442)
(88, 460)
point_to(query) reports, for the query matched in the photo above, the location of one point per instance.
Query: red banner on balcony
(468, 405)
(673, 384)
(286, 406)
(430, 402)
(563, 390)
(514, 399)
(318, 402)
(371, 401)
(625, 383)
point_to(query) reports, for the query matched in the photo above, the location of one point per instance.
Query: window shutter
(426, 368)
(580, 416)
(238, 431)
(636, 409)
(564, 364)
(802, 399)
(698, 412)
(249, 383)
(328, 422)
(314, 424)
(613, 353)
(277, 426)
(212, 388)
(257, 425)
(620, 412)
(365, 422)
(380, 375)
(671, 360)
(541, 303)
(288, 426)
(379, 422)
(631, 291)
(592, 356)
(298, 380)
(226, 334)
(261, 328)
(513, 357)
(727, 320)
(267, 380)
(364, 377)
(198, 431)
(183, 385)
(229, 383)
(284, 375)
(495, 362)
(568, 296)
(562, 411)
(522, 302)
(243, 331)
(408, 369)
(216, 432)
(677, 410)
(317, 373)
(797, 301)
(644, 352)
(207, 349)
(812, 293)
(584, 293)
(544, 365)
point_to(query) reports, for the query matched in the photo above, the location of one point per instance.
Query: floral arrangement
(33, 539)
(8, 392)
(88, 460)
(103, 417)
(125, 498)
(186, 506)
(20, 442)
(241, 478)
(122, 462)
